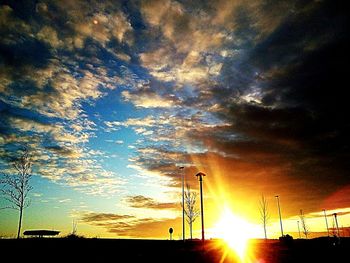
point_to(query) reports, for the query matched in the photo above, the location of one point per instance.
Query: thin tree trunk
(191, 229)
(20, 222)
(265, 231)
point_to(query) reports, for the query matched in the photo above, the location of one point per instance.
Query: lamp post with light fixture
(336, 223)
(279, 212)
(325, 217)
(200, 178)
(183, 203)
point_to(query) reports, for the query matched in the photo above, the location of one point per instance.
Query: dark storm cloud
(306, 103)
(282, 90)
(25, 51)
(302, 114)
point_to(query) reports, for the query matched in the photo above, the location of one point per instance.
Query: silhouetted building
(41, 233)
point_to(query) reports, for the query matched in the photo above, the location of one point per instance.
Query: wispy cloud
(149, 99)
(67, 200)
(90, 217)
(139, 201)
(129, 226)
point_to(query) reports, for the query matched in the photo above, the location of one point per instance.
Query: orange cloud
(132, 227)
(139, 201)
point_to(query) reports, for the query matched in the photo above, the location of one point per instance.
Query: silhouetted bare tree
(190, 207)
(303, 224)
(15, 187)
(74, 227)
(264, 213)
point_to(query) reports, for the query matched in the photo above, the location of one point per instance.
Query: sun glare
(235, 231)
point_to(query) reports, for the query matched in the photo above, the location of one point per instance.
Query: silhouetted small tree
(303, 224)
(15, 186)
(264, 213)
(74, 227)
(190, 207)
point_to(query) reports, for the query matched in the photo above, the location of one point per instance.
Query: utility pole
(279, 212)
(200, 177)
(325, 217)
(183, 203)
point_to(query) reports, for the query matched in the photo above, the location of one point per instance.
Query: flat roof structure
(41, 233)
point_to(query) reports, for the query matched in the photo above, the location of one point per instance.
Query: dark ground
(127, 250)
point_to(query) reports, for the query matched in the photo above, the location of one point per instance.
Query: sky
(112, 97)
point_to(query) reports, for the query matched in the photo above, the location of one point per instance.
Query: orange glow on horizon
(219, 194)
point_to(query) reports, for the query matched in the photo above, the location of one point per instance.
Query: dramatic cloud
(250, 92)
(284, 113)
(140, 201)
(129, 226)
(98, 217)
(148, 99)
(45, 83)
(146, 228)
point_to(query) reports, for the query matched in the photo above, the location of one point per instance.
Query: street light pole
(183, 203)
(200, 177)
(279, 212)
(336, 222)
(299, 229)
(325, 217)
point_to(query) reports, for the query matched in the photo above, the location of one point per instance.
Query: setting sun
(175, 131)
(235, 231)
